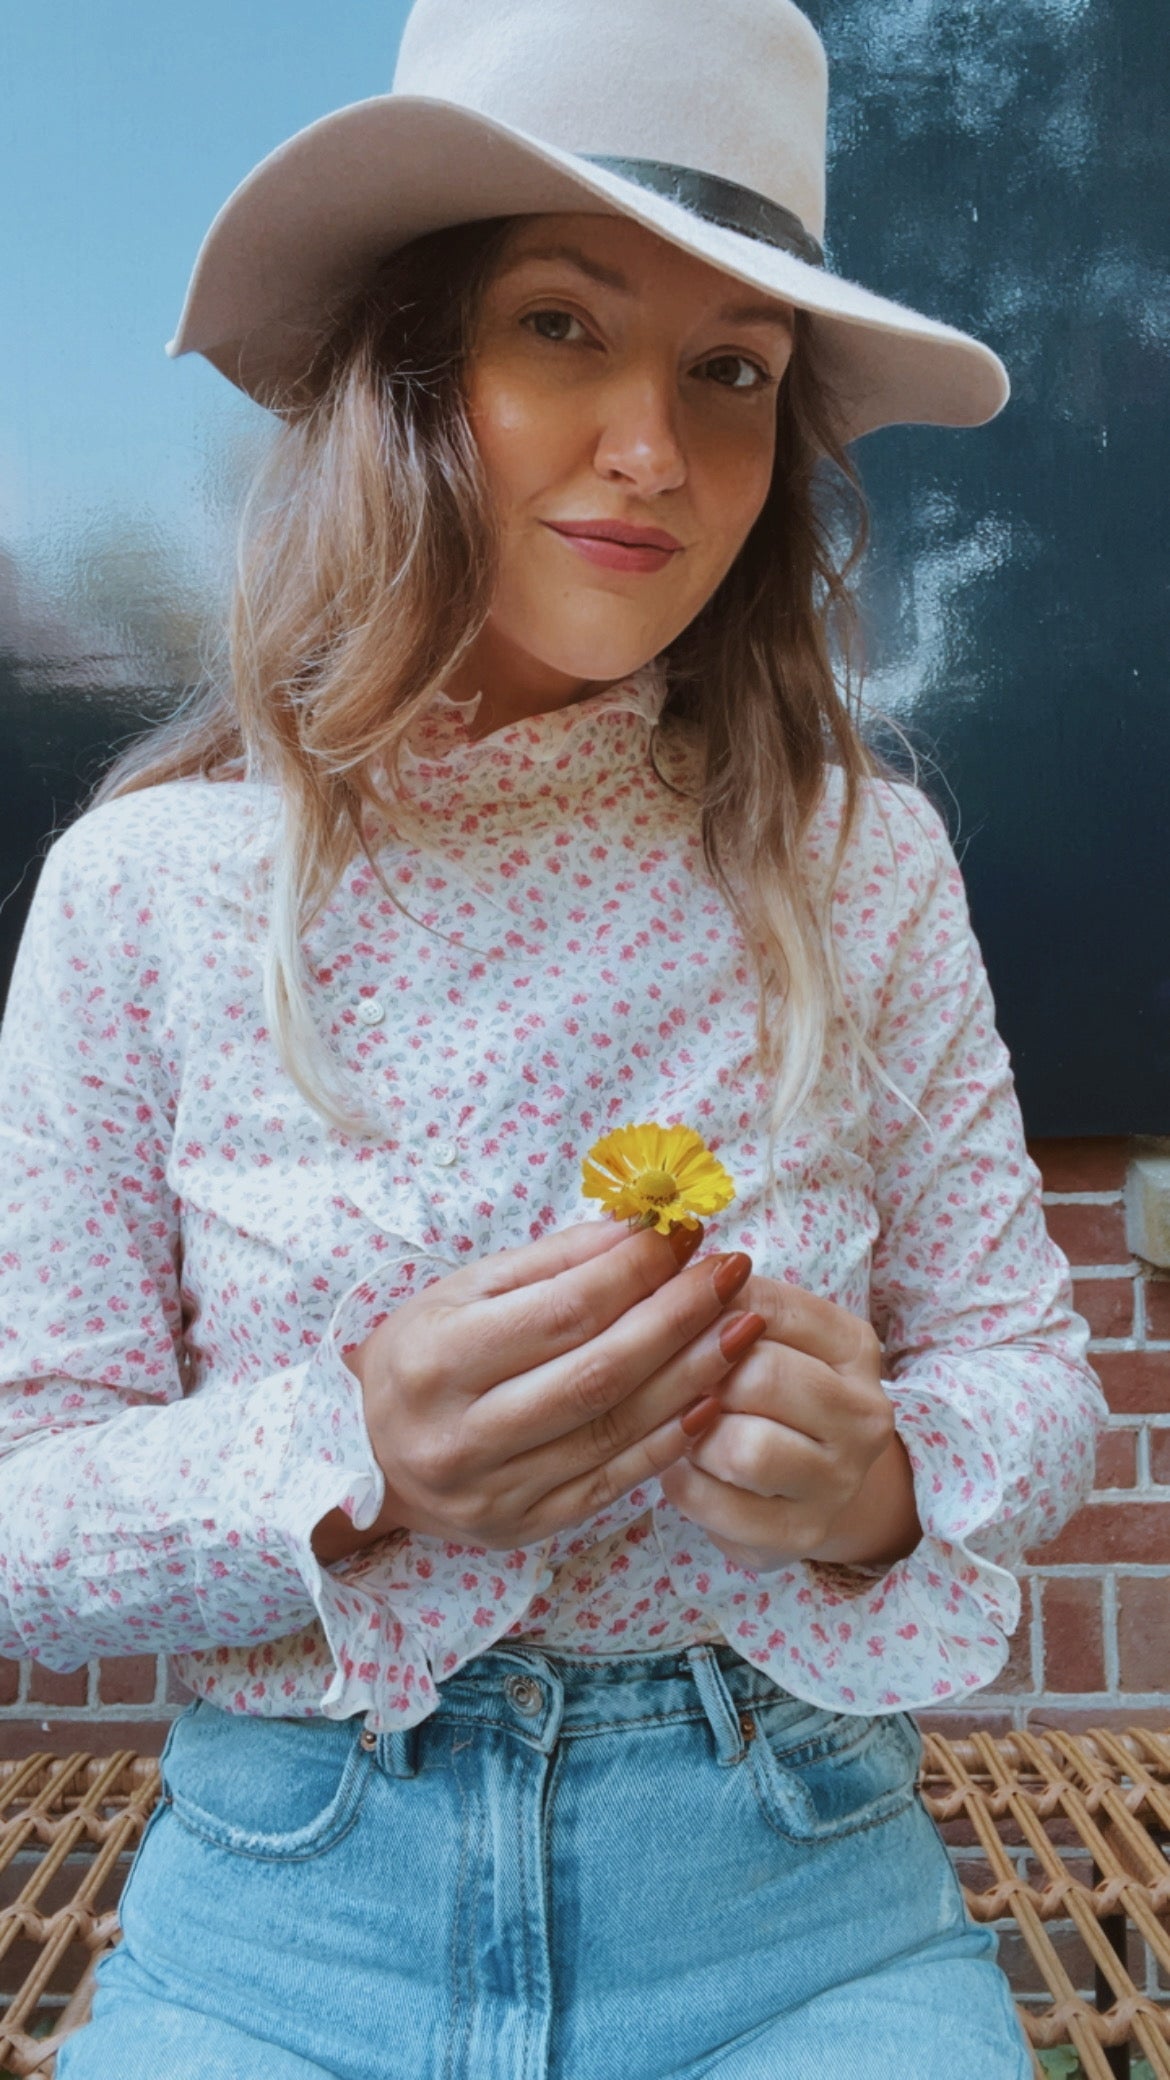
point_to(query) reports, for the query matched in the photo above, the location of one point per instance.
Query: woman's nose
(639, 439)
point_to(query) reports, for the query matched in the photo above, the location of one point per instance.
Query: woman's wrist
(336, 1535)
(881, 1525)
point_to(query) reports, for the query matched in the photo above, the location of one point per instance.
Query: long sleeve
(984, 1357)
(135, 1516)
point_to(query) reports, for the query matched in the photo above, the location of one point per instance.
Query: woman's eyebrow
(611, 278)
(608, 276)
(754, 314)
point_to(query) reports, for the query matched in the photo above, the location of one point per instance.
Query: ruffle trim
(440, 754)
(393, 1620)
(944, 1606)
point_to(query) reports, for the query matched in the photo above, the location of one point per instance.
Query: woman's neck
(512, 684)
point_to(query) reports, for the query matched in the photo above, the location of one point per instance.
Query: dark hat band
(720, 202)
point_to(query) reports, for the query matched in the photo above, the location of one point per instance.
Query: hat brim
(315, 216)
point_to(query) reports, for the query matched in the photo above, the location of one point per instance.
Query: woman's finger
(579, 1498)
(587, 1386)
(800, 1393)
(777, 1523)
(506, 1336)
(819, 1328)
(761, 1457)
(700, 1368)
(505, 1270)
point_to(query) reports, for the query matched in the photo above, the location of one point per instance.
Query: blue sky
(123, 127)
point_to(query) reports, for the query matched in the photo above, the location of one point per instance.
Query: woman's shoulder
(177, 831)
(898, 843)
(144, 875)
(889, 810)
(898, 898)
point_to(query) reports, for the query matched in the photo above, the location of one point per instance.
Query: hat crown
(738, 88)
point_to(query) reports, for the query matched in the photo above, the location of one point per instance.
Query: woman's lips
(615, 556)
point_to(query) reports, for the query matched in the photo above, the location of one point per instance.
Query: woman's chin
(595, 651)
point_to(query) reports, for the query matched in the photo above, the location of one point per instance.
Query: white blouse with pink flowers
(187, 1248)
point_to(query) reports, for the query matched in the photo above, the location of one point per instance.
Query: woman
(555, 1598)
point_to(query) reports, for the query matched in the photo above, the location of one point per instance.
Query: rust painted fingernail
(684, 1242)
(740, 1333)
(699, 1415)
(733, 1272)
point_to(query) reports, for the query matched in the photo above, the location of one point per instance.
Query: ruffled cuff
(867, 1640)
(402, 1615)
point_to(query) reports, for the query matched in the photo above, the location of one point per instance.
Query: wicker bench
(1059, 1839)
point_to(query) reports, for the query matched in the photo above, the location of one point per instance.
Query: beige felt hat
(702, 119)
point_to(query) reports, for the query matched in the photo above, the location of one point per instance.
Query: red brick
(1094, 1165)
(128, 1680)
(1089, 1234)
(1106, 1303)
(1158, 1309)
(1143, 1632)
(1116, 1459)
(1074, 1645)
(1160, 1457)
(1017, 1671)
(1023, 1973)
(973, 1872)
(957, 1726)
(19, 1737)
(47, 1686)
(178, 1692)
(1104, 1532)
(1084, 1718)
(1135, 1382)
(9, 1681)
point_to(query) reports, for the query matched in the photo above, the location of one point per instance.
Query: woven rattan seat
(1060, 1839)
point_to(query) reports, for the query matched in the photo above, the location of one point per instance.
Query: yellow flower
(656, 1177)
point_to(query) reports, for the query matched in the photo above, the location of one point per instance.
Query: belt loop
(730, 1744)
(402, 1752)
(397, 1752)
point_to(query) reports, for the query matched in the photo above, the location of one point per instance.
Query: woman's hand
(528, 1390)
(803, 1461)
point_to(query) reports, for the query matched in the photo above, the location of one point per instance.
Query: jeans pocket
(833, 1773)
(278, 1790)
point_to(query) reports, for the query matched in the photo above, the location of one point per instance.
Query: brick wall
(1093, 1645)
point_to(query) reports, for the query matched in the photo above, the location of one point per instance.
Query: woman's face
(613, 382)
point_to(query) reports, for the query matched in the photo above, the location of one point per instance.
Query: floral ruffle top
(187, 1248)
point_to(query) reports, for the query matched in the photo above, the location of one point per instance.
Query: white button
(370, 1011)
(443, 1152)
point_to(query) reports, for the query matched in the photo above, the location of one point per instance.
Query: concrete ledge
(1147, 1209)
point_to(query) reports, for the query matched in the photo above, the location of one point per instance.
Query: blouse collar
(561, 750)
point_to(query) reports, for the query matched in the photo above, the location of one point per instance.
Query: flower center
(657, 1185)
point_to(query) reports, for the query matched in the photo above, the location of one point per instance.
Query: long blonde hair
(365, 568)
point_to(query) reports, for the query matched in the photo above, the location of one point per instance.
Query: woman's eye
(551, 324)
(736, 372)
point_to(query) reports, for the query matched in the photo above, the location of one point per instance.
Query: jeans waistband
(539, 1697)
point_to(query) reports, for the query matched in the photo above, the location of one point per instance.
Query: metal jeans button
(524, 1693)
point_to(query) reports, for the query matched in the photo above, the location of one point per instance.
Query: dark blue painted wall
(1006, 168)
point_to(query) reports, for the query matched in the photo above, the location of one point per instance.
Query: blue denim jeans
(647, 1868)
